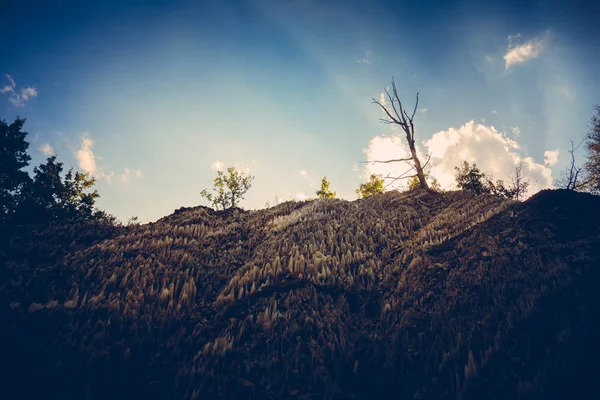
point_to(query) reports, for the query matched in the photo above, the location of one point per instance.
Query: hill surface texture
(398, 296)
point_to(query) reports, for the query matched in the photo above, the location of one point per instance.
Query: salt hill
(401, 295)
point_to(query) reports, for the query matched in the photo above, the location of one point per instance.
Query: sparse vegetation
(401, 295)
(519, 184)
(572, 177)
(414, 183)
(229, 188)
(417, 295)
(324, 192)
(373, 186)
(470, 177)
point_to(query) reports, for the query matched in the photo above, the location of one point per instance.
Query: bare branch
(392, 102)
(395, 90)
(386, 161)
(571, 176)
(394, 120)
(403, 176)
(427, 162)
(415, 110)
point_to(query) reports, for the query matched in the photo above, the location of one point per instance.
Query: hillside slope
(401, 295)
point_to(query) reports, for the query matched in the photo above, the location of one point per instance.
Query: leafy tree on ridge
(228, 188)
(373, 186)
(324, 192)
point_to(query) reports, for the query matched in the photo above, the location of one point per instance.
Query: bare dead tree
(397, 115)
(519, 185)
(571, 178)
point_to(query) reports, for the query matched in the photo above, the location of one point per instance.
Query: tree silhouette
(50, 197)
(470, 177)
(592, 165)
(45, 197)
(13, 158)
(572, 177)
(519, 184)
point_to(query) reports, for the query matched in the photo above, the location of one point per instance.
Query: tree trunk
(418, 167)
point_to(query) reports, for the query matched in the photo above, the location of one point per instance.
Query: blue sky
(151, 97)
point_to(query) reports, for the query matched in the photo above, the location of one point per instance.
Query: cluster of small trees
(470, 177)
(49, 195)
(584, 178)
(229, 188)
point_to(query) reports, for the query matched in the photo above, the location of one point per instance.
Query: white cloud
(242, 168)
(218, 165)
(492, 151)
(512, 38)
(424, 109)
(494, 112)
(367, 58)
(551, 157)
(15, 98)
(355, 168)
(521, 53)
(107, 176)
(129, 174)
(516, 131)
(489, 58)
(11, 85)
(85, 155)
(303, 172)
(300, 196)
(87, 159)
(47, 149)
(27, 93)
(382, 148)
